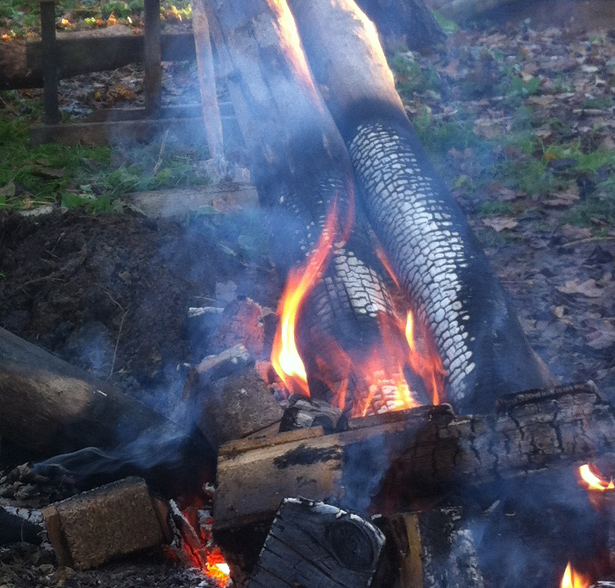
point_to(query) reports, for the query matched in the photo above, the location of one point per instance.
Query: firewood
(316, 545)
(401, 457)
(49, 407)
(303, 412)
(433, 549)
(91, 528)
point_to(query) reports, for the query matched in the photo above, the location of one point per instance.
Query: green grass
(92, 177)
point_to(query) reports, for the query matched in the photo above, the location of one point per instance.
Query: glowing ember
(572, 579)
(594, 480)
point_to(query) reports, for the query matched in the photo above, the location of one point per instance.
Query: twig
(161, 153)
(588, 240)
(117, 343)
(119, 333)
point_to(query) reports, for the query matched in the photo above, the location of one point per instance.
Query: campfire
(372, 437)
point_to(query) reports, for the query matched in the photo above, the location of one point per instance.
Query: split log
(316, 545)
(389, 461)
(48, 407)
(404, 23)
(436, 258)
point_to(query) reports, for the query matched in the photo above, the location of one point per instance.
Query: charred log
(316, 545)
(435, 255)
(14, 529)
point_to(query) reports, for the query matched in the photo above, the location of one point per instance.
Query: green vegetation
(92, 177)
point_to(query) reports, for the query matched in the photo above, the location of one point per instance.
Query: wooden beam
(189, 130)
(413, 454)
(152, 61)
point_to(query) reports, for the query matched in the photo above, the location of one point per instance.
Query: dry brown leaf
(575, 233)
(8, 189)
(587, 288)
(500, 223)
(546, 100)
(558, 311)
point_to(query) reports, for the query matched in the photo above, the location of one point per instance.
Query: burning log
(303, 413)
(437, 260)
(398, 458)
(94, 527)
(336, 303)
(315, 545)
(433, 549)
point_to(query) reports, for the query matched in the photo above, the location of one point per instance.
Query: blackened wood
(83, 52)
(316, 545)
(50, 65)
(422, 453)
(304, 412)
(406, 23)
(14, 529)
(152, 62)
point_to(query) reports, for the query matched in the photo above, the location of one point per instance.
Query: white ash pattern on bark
(428, 251)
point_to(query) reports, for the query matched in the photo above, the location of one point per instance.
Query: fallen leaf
(50, 173)
(546, 100)
(589, 68)
(575, 233)
(8, 189)
(226, 291)
(500, 223)
(587, 288)
(558, 311)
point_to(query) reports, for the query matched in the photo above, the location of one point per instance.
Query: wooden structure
(130, 124)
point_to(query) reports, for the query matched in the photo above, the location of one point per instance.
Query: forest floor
(519, 121)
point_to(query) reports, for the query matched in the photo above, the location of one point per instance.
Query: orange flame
(375, 377)
(285, 356)
(594, 480)
(572, 579)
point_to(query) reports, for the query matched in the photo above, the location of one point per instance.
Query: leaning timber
(301, 167)
(436, 257)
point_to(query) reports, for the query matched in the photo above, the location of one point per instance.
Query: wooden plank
(316, 545)
(176, 202)
(420, 456)
(81, 54)
(188, 129)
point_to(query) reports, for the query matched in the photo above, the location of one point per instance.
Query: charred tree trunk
(406, 23)
(437, 259)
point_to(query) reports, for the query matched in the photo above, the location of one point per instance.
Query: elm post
(153, 58)
(50, 61)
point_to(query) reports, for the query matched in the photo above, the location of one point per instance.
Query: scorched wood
(316, 545)
(435, 256)
(400, 457)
